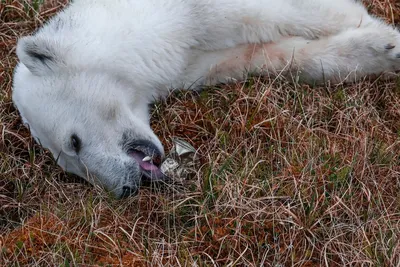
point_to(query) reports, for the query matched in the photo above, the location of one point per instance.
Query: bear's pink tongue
(147, 166)
(149, 170)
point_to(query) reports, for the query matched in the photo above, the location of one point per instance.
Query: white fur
(94, 68)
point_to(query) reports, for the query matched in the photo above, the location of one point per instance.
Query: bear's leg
(346, 56)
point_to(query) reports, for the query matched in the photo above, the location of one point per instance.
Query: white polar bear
(85, 79)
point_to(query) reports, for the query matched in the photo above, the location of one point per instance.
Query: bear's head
(86, 119)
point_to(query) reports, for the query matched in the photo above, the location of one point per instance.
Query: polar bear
(85, 79)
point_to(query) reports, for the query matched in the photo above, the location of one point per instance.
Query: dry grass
(291, 176)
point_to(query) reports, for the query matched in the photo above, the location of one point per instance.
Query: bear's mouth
(149, 159)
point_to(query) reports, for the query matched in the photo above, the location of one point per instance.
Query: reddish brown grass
(291, 176)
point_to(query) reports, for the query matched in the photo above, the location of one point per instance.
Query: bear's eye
(76, 143)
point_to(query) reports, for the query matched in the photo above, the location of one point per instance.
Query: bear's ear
(38, 55)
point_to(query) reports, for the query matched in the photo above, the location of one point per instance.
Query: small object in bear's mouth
(182, 162)
(169, 165)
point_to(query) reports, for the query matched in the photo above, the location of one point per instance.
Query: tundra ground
(291, 175)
